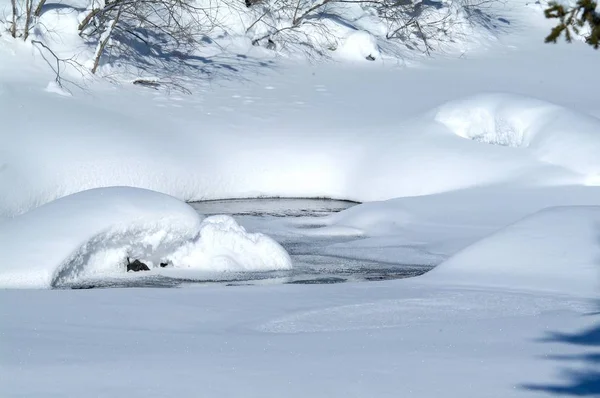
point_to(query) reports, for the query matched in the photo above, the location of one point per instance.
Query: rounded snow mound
(359, 45)
(552, 134)
(90, 235)
(556, 249)
(497, 119)
(222, 239)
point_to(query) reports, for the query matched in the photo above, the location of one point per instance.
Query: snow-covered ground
(482, 159)
(383, 339)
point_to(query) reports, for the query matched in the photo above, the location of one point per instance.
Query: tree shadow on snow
(153, 54)
(580, 374)
(583, 381)
(487, 18)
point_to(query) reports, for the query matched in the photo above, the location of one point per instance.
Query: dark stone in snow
(147, 83)
(136, 266)
(370, 57)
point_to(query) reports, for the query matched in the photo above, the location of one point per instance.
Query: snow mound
(359, 46)
(552, 134)
(496, 119)
(556, 249)
(222, 241)
(90, 234)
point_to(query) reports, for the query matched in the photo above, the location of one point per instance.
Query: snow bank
(91, 233)
(549, 132)
(117, 139)
(556, 249)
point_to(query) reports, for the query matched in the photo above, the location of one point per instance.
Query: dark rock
(147, 83)
(163, 265)
(370, 58)
(136, 266)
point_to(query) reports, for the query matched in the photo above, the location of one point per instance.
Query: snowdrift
(190, 156)
(90, 234)
(556, 249)
(549, 132)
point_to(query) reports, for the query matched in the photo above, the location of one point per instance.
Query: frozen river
(292, 223)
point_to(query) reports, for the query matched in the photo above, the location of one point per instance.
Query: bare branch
(13, 27)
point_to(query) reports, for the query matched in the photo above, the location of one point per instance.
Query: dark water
(272, 207)
(313, 263)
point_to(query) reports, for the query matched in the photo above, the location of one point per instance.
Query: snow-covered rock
(90, 234)
(224, 245)
(359, 46)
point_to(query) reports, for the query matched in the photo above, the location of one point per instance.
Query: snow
(90, 234)
(54, 87)
(428, 229)
(481, 160)
(226, 246)
(553, 134)
(340, 163)
(358, 46)
(373, 131)
(556, 249)
(385, 339)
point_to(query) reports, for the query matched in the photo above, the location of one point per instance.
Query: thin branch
(104, 41)
(38, 10)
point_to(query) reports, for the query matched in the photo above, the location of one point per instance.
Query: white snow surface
(416, 157)
(556, 249)
(383, 339)
(461, 160)
(271, 127)
(550, 133)
(358, 46)
(90, 234)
